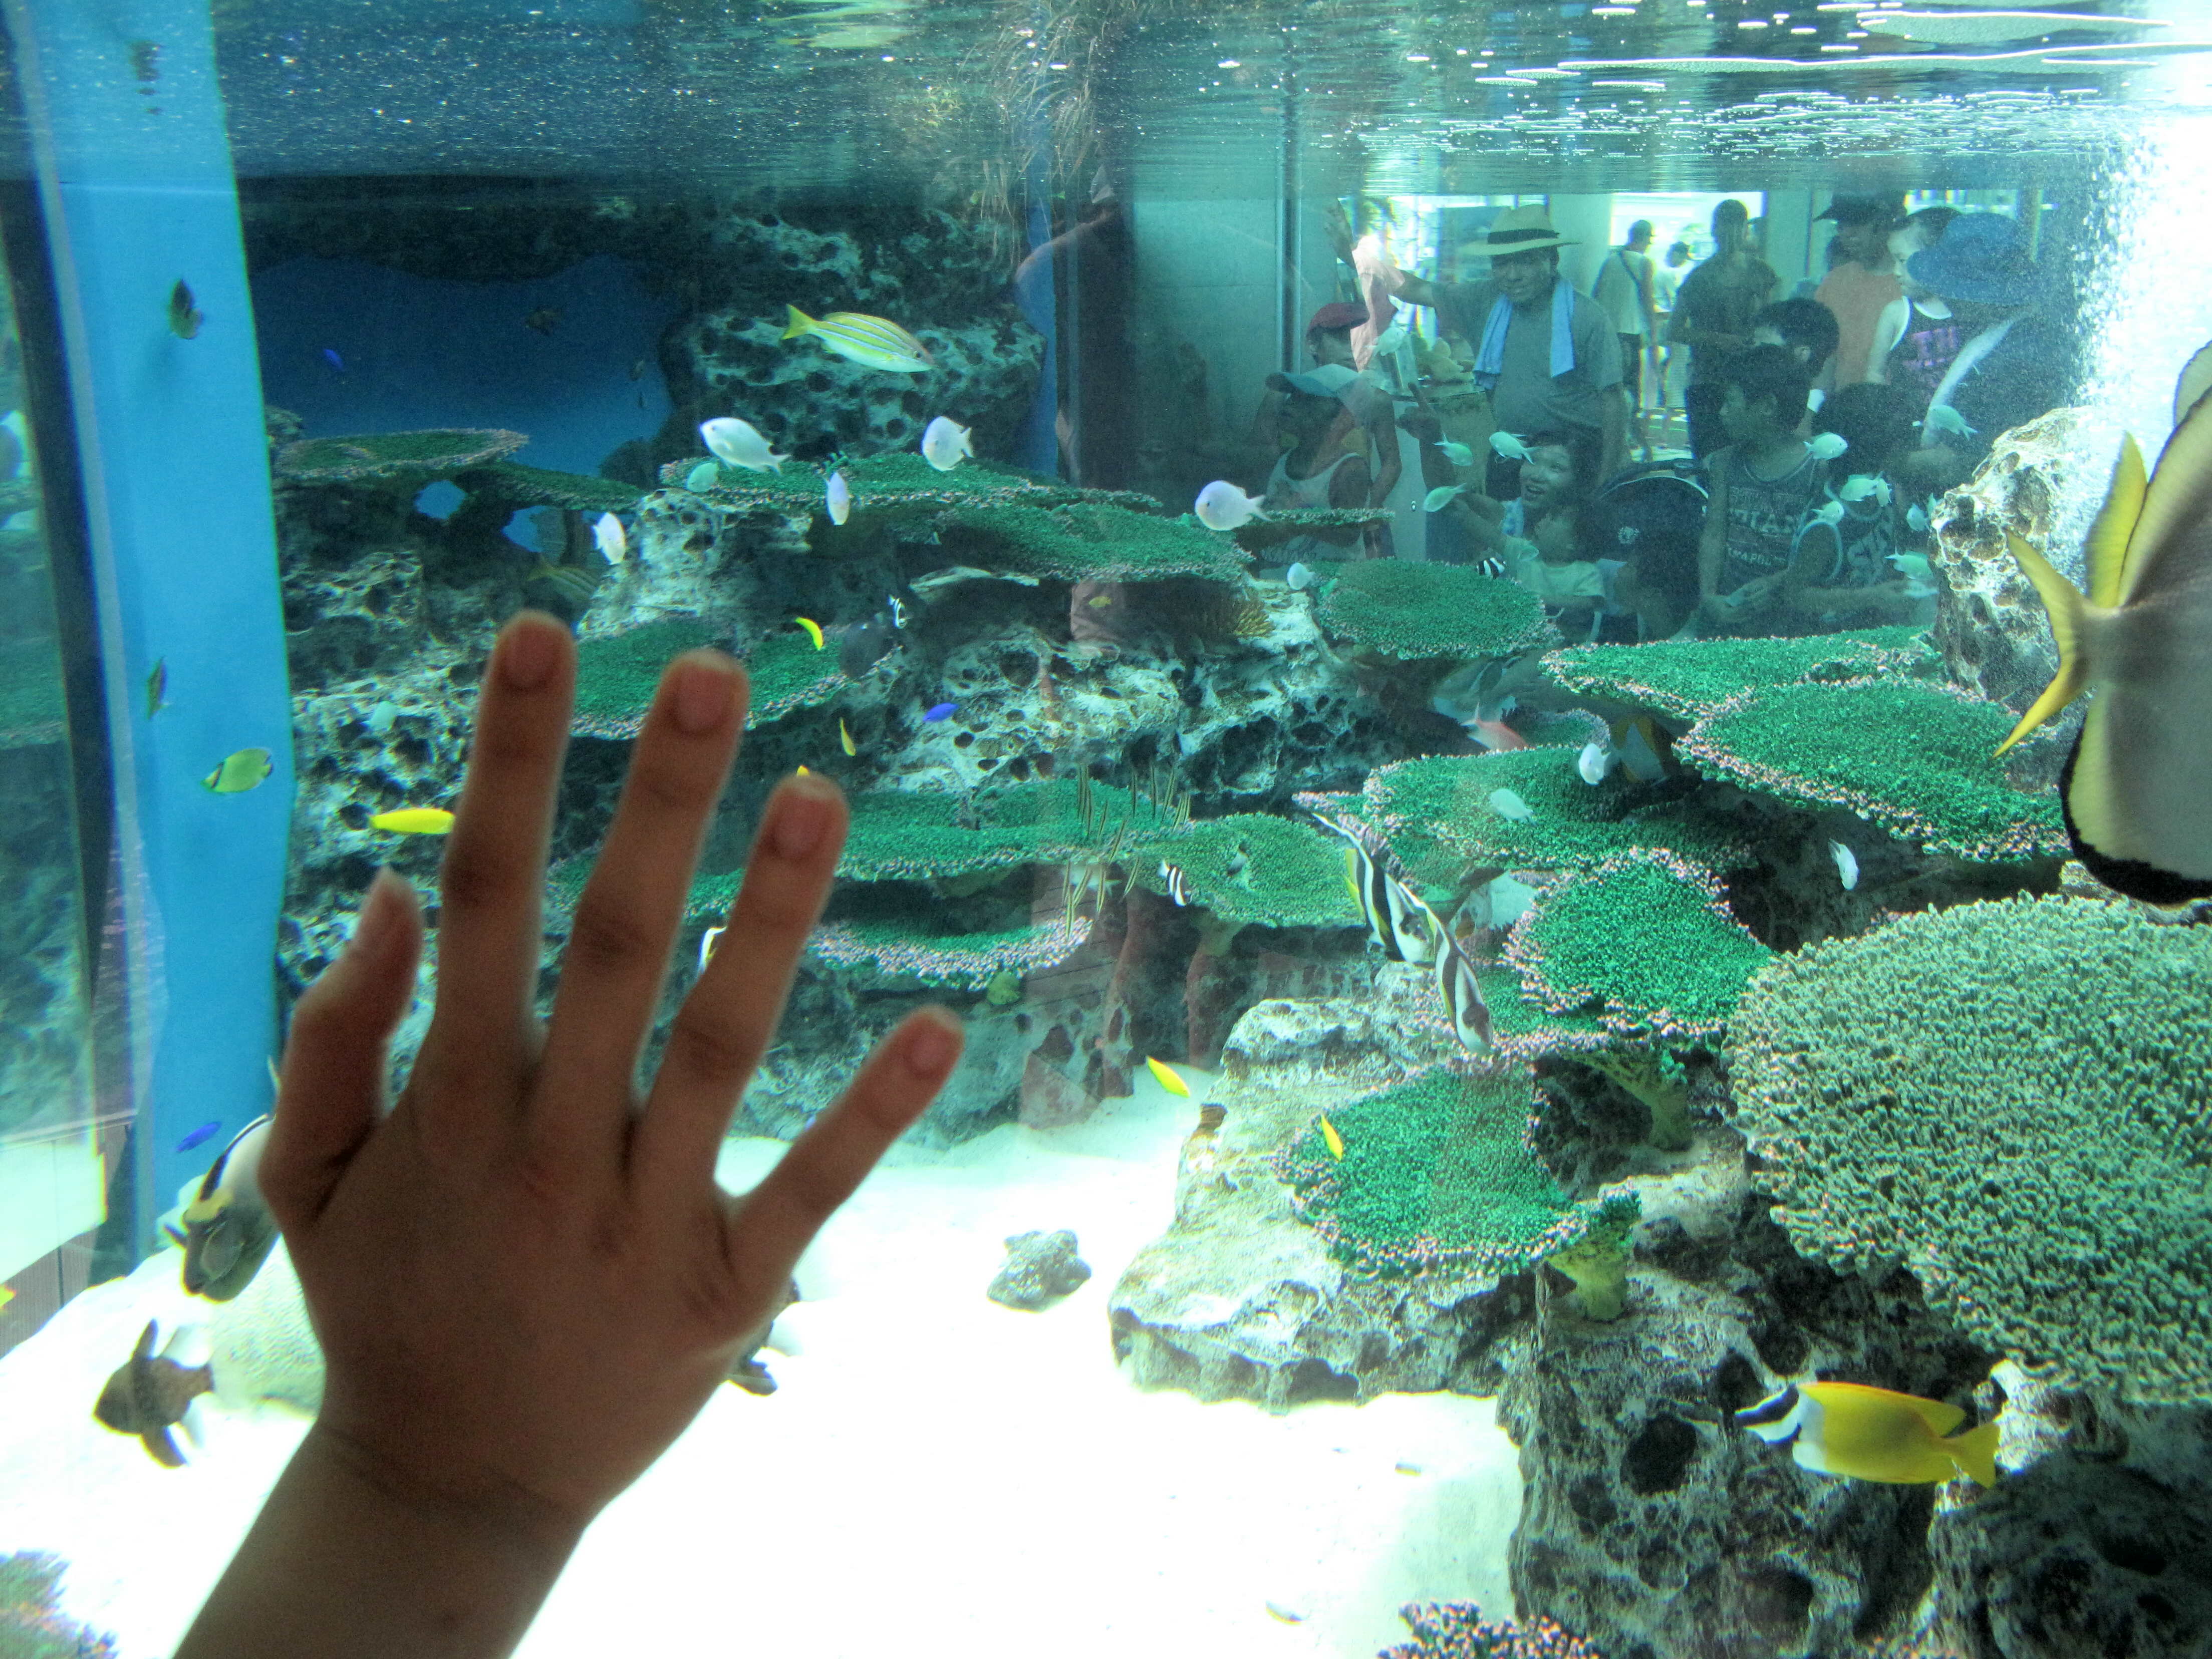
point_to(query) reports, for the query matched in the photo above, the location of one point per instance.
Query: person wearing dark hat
(1712, 317)
(1548, 356)
(2014, 362)
(1862, 286)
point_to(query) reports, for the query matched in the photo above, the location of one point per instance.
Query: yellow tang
(813, 630)
(1171, 1079)
(871, 342)
(845, 739)
(1873, 1434)
(414, 821)
(1335, 1141)
(244, 770)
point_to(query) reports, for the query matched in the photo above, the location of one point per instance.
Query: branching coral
(1687, 679)
(1457, 1630)
(2014, 1099)
(1438, 1171)
(1451, 803)
(396, 458)
(1913, 759)
(1647, 937)
(1406, 610)
(1257, 867)
(1092, 540)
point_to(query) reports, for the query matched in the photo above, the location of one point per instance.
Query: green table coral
(396, 458)
(2015, 1099)
(517, 486)
(707, 901)
(616, 674)
(1257, 867)
(1282, 525)
(1085, 542)
(1436, 1172)
(918, 834)
(898, 483)
(1687, 679)
(1441, 809)
(1645, 938)
(788, 673)
(1913, 759)
(1406, 610)
(967, 961)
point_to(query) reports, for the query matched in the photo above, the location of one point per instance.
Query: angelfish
(1398, 919)
(2137, 788)
(228, 1231)
(1873, 1434)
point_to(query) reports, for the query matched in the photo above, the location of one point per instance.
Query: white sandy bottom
(935, 1474)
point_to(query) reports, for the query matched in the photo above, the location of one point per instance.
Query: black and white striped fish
(1456, 985)
(1492, 567)
(1398, 919)
(1178, 884)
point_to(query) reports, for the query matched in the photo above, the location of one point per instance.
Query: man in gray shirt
(1549, 356)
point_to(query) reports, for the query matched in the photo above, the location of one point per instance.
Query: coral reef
(1414, 611)
(32, 1623)
(1687, 679)
(397, 460)
(2012, 1099)
(1040, 1268)
(1457, 1630)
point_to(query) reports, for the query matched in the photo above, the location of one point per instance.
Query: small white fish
(381, 718)
(1827, 446)
(1390, 340)
(1860, 485)
(1596, 761)
(1441, 497)
(1298, 576)
(945, 444)
(1222, 505)
(1505, 444)
(1847, 864)
(839, 495)
(608, 536)
(1457, 454)
(739, 443)
(1509, 806)
(898, 611)
(703, 476)
(1916, 518)
(1944, 418)
(708, 941)
(1832, 513)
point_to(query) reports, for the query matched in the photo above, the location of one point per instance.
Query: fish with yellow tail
(246, 770)
(229, 1231)
(845, 739)
(1171, 1079)
(414, 821)
(813, 629)
(1873, 1434)
(871, 342)
(2137, 788)
(1333, 1140)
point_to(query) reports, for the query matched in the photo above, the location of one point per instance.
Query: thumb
(333, 1085)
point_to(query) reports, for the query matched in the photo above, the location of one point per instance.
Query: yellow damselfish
(1335, 1141)
(1171, 1079)
(414, 821)
(871, 342)
(813, 630)
(1873, 1434)
(845, 739)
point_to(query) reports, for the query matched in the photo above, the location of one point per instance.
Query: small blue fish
(200, 1136)
(332, 357)
(942, 711)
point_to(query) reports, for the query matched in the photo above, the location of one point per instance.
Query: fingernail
(802, 818)
(526, 655)
(373, 923)
(702, 697)
(930, 1048)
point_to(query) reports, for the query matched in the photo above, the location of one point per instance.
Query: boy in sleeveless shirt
(1762, 482)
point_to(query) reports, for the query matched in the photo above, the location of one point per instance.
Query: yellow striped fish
(871, 342)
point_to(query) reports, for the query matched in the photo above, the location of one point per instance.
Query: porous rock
(1040, 1268)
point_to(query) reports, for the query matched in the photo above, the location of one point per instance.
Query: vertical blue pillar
(135, 180)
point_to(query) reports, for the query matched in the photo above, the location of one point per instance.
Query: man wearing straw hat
(1548, 356)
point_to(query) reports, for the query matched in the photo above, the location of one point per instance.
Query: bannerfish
(1941, 417)
(862, 645)
(1222, 505)
(151, 1393)
(157, 688)
(1827, 446)
(1171, 1079)
(1596, 761)
(898, 608)
(813, 629)
(1509, 805)
(543, 320)
(837, 496)
(1393, 913)
(1847, 864)
(1457, 454)
(1389, 340)
(1860, 485)
(871, 342)
(739, 443)
(414, 821)
(246, 770)
(1831, 513)
(1874, 1434)
(184, 314)
(709, 940)
(1329, 1136)
(1298, 577)
(937, 712)
(1178, 884)
(1441, 497)
(1640, 744)
(337, 363)
(703, 476)
(228, 1231)
(1456, 985)
(609, 537)
(1916, 518)
(845, 738)
(200, 1136)
(1506, 445)
(946, 444)
(2137, 788)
